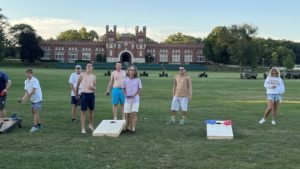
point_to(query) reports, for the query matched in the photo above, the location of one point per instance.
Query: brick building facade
(124, 48)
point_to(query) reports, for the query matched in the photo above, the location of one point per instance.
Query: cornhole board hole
(6, 124)
(219, 131)
(109, 128)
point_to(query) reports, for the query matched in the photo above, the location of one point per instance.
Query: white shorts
(180, 102)
(131, 107)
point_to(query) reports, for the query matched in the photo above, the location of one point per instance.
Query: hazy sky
(278, 19)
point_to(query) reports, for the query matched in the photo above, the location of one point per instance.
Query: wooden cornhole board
(219, 131)
(7, 124)
(109, 128)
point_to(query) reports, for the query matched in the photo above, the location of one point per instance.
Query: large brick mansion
(124, 49)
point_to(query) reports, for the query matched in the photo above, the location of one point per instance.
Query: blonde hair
(135, 69)
(274, 69)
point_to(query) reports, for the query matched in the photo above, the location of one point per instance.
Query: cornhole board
(6, 124)
(219, 131)
(109, 128)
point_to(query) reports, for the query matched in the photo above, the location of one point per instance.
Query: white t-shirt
(31, 84)
(73, 80)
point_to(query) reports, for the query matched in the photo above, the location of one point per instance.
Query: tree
(241, 49)
(216, 45)
(179, 38)
(3, 25)
(81, 35)
(30, 49)
(16, 30)
(93, 36)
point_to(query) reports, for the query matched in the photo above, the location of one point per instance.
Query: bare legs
(131, 119)
(83, 120)
(272, 107)
(115, 111)
(36, 119)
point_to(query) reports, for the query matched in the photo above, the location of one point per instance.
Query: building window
(47, 55)
(110, 53)
(86, 55)
(175, 58)
(163, 55)
(199, 56)
(59, 55)
(141, 53)
(188, 58)
(188, 55)
(73, 55)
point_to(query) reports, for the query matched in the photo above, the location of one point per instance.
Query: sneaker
(34, 129)
(181, 121)
(73, 120)
(273, 122)
(262, 121)
(115, 118)
(83, 131)
(91, 128)
(172, 121)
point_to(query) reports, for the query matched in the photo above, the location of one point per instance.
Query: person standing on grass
(87, 81)
(73, 82)
(131, 87)
(34, 91)
(115, 84)
(182, 95)
(4, 86)
(275, 88)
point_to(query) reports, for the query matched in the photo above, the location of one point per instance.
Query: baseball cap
(77, 67)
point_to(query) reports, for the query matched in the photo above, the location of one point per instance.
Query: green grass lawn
(156, 144)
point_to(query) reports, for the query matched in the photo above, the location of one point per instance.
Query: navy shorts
(75, 101)
(87, 101)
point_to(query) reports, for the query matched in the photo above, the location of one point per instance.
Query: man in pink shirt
(115, 84)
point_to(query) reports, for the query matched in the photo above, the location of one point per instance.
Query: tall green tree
(16, 30)
(3, 25)
(216, 45)
(242, 48)
(30, 49)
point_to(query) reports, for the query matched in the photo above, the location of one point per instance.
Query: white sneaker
(273, 122)
(91, 128)
(181, 121)
(172, 121)
(115, 118)
(83, 131)
(262, 121)
(34, 129)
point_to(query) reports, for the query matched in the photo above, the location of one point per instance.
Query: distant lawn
(155, 145)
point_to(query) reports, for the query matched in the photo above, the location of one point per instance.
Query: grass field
(156, 144)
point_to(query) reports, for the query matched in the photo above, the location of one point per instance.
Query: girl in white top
(275, 88)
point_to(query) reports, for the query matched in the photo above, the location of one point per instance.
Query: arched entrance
(125, 57)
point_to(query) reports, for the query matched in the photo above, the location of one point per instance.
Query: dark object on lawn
(107, 73)
(248, 74)
(202, 75)
(163, 74)
(145, 74)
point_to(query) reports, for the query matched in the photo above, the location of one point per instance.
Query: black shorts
(87, 101)
(75, 101)
(2, 102)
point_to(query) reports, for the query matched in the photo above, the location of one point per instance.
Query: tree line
(235, 44)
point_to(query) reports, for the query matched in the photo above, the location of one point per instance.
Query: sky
(276, 19)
